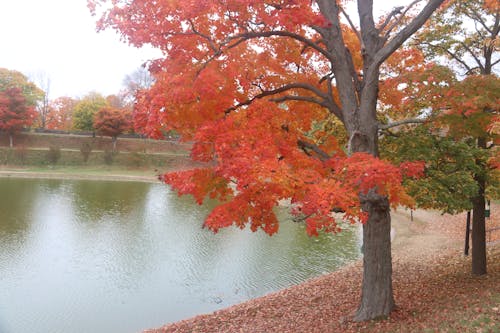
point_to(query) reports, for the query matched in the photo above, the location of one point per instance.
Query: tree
(247, 81)
(61, 113)
(466, 34)
(15, 112)
(112, 122)
(136, 81)
(43, 105)
(15, 79)
(85, 109)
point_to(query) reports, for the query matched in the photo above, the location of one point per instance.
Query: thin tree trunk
(377, 298)
(113, 139)
(11, 141)
(478, 237)
(479, 222)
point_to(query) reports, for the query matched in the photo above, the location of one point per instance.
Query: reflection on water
(87, 256)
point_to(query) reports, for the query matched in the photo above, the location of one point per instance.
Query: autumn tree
(247, 81)
(466, 34)
(14, 79)
(61, 113)
(85, 110)
(15, 112)
(111, 121)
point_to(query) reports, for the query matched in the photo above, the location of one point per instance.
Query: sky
(57, 39)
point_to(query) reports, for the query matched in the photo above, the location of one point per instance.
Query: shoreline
(100, 176)
(423, 252)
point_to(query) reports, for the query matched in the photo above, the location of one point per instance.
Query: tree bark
(377, 298)
(479, 221)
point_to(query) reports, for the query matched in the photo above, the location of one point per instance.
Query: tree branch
(451, 54)
(402, 122)
(332, 107)
(404, 34)
(477, 17)
(207, 38)
(474, 56)
(286, 87)
(304, 145)
(240, 38)
(353, 27)
(398, 21)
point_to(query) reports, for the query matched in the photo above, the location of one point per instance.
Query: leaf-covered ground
(433, 287)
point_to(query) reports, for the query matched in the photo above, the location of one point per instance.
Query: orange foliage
(15, 112)
(240, 82)
(111, 121)
(61, 114)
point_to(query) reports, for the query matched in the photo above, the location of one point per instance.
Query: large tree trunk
(377, 296)
(479, 222)
(358, 96)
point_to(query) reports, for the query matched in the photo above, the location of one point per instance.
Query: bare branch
(404, 34)
(398, 21)
(393, 13)
(402, 122)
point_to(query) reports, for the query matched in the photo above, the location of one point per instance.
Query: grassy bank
(54, 157)
(82, 172)
(67, 151)
(98, 143)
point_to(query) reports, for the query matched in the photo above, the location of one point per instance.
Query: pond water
(94, 256)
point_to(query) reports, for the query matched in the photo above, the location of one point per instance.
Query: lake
(103, 256)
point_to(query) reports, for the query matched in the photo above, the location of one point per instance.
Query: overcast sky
(57, 39)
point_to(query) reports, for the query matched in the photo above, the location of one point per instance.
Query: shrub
(108, 156)
(135, 159)
(54, 154)
(85, 149)
(21, 154)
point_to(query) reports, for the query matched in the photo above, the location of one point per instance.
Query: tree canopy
(111, 121)
(14, 79)
(15, 111)
(85, 110)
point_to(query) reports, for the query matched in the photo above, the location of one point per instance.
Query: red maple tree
(250, 82)
(15, 112)
(110, 121)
